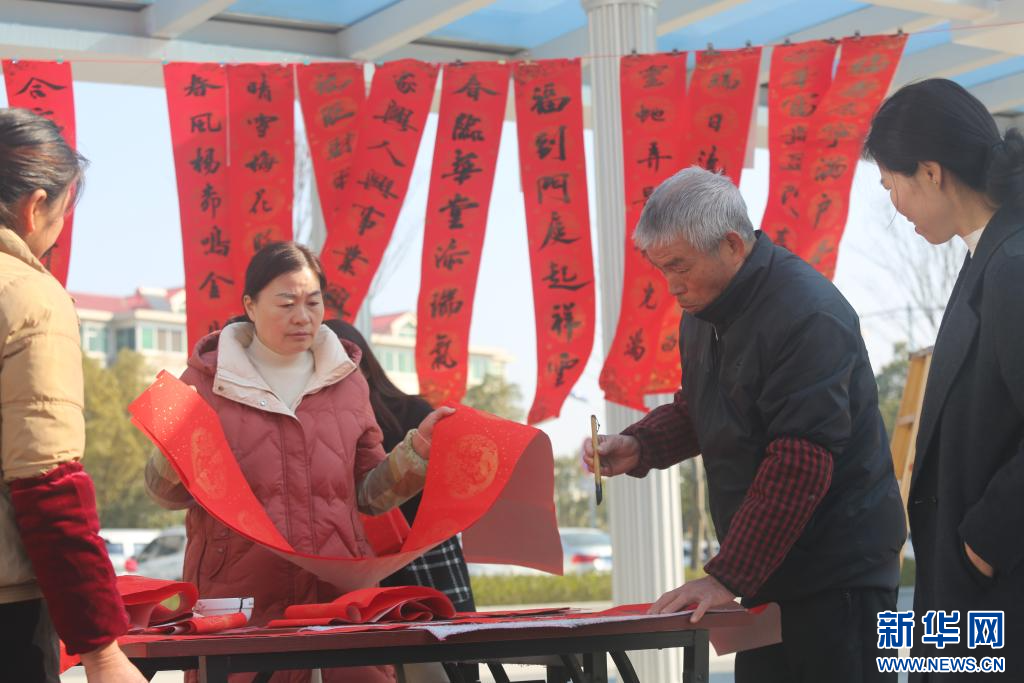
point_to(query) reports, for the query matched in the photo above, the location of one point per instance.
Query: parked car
(583, 550)
(123, 544)
(164, 557)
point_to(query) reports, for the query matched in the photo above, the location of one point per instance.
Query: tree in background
(115, 450)
(497, 396)
(891, 380)
(574, 495)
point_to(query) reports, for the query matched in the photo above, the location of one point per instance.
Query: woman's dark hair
(938, 120)
(382, 390)
(274, 260)
(34, 156)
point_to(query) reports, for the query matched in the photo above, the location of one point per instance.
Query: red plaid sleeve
(666, 436)
(792, 480)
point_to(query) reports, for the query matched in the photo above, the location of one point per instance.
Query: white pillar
(645, 515)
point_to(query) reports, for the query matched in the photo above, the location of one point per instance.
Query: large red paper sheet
(481, 468)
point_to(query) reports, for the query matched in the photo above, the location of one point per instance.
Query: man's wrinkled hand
(699, 595)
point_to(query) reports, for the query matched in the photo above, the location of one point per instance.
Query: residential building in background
(152, 322)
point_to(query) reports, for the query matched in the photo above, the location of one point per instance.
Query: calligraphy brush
(598, 488)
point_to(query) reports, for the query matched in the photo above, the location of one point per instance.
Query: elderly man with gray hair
(779, 399)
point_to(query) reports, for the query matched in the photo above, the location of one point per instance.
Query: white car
(164, 557)
(123, 544)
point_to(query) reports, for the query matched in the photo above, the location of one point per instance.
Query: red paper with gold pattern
(653, 94)
(800, 76)
(389, 137)
(490, 478)
(865, 70)
(332, 96)
(721, 98)
(197, 104)
(473, 98)
(549, 115)
(261, 157)
(46, 89)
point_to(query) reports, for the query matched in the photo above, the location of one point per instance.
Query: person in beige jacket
(55, 575)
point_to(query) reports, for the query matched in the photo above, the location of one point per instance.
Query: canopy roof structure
(979, 43)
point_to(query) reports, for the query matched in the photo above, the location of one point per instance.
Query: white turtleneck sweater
(287, 376)
(971, 239)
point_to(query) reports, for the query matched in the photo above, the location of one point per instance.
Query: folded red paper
(197, 625)
(154, 601)
(371, 605)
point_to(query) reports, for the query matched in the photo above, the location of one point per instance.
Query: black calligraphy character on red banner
(473, 88)
(443, 304)
(205, 163)
(563, 320)
(558, 182)
(546, 143)
(199, 86)
(790, 194)
(465, 128)
(800, 105)
(380, 182)
(797, 78)
(340, 179)
(405, 82)
(261, 90)
(835, 133)
(709, 159)
(654, 157)
(338, 146)
(648, 301)
(450, 256)
(565, 363)
(557, 233)
(262, 123)
(794, 161)
(204, 123)
(645, 114)
(333, 113)
(559, 277)
(715, 122)
(325, 84)
(635, 348)
(398, 115)
(366, 217)
(724, 80)
(349, 258)
(213, 281)
(37, 87)
(795, 134)
(210, 200)
(261, 239)
(213, 326)
(336, 298)
(652, 75)
(215, 243)
(261, 162)
(547, 101)
(647, 192)
(455, 206)
(782, 236)
(47, 113)
(824, 204)
(830, 168)
(463, 167)
(870, 64)
(441, 359)
(851, 108)
(260, 204)
(386, 146)
(670, 343)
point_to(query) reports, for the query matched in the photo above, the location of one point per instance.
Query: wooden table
(575, 654)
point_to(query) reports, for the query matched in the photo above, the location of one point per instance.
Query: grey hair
(696, 205)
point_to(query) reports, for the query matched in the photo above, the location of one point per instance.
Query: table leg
(595, 665)
(696, 659)
(626, 671)
(572, 666)
(214, 669)
(498, 672)
(453, 672)
(556, 674)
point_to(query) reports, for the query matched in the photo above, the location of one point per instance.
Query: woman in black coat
(952, 174)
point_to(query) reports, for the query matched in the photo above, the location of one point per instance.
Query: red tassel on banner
(866, 67)
(549, 114)
(721, 98)
(332, 95)
(800, 76)
(389, 136)
(46, 89)
(261, 157)
(653, 93)
(473, 98)
(197, 101)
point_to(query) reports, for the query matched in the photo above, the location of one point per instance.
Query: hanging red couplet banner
(332, 95)
(800, 76)
(653, 92)
(46, 89)
(473, 98)
(389, 136)
(261, 157)
(721, 98)
(549, 113)
(866, 66)
(197, 99)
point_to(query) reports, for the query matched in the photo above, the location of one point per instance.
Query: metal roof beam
(1002, 94)
(964, 10)
(171, 18)
(944, 61)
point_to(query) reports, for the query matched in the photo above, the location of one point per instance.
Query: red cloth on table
(370, 605)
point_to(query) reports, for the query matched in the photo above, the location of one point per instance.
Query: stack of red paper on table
(371, 606)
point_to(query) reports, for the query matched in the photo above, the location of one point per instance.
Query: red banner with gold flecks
(197, 100)
(389, 136)
(549, 114)
(800, 76)
(261, 157)
(865, 70)
(653, 95)
(721, 97)
(473, 98)
(46, 89)
(332, 96)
